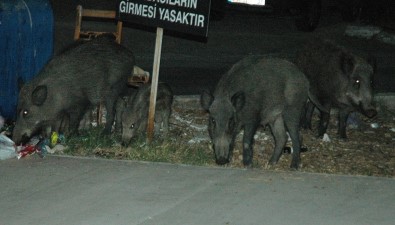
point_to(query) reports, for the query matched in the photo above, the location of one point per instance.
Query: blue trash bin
(26, 44)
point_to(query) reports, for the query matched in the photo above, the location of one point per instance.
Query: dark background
(191, 64)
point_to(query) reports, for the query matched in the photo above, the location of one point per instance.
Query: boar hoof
(222, 161)
(343, 139)
(270, 165)
(294, 165)
(248, 166)
(247, 163)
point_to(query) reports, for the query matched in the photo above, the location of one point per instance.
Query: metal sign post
(154, 84)
(187, 16)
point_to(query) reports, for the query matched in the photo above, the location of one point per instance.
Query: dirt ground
(369, 150)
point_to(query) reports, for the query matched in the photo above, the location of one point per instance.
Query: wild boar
(135, 115)
(338, 79)
(256, 91)
(81, 77)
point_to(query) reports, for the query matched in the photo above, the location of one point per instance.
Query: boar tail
(315, 101)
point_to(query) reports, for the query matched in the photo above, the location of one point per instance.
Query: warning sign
(188, 16)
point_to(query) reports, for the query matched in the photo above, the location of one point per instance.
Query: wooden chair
(99, 14)
(87, 35)
(138, 75)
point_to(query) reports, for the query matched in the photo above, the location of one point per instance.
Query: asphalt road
(59, 190)
(191, 64)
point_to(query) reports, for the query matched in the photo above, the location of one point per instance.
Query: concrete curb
(383, 100)
(386, 101)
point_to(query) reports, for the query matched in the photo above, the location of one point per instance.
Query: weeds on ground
(92, 143)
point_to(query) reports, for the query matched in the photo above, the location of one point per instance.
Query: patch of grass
(165, 150)
(88, 140)
(92, 143)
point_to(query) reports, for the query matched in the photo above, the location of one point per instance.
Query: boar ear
(238, 100)
(206, 99)
(39, 95)
(346, 63)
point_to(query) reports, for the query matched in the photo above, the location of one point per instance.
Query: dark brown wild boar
(338, 79)
(81, 77)
(257, 91)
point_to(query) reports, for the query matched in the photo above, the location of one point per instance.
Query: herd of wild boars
(256, 91)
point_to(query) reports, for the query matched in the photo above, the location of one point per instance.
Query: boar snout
(222, 161)
(368, 110)
(21, 139)
(126, 141)
(222, 148)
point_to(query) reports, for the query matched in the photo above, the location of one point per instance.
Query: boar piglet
(74, 81)
(256, 91)
(338, 79)
(135, 115)
(120, 106)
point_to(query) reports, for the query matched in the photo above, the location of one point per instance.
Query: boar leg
(343, 115)
(292, 125)
(119, 107)
(74, 122)
(248, 138)
(309, 109)
(64, 125)
(280, 138)
(110, 108)
(323, 125)
(293, 131)
(165, 121)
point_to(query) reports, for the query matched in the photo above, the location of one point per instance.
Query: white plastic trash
(326, 138)
(7, 148)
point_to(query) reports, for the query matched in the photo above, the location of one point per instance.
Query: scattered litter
(290, 150)
(54, 138)
(353, 121)
(39, 148)
(197, 140)
(374, 125)
(180, 119)
(7, 148)
(198, 127)
(326, 138)
(289, 137)
(27, 150)
(392, 129)
(42, 146)
(57, 148)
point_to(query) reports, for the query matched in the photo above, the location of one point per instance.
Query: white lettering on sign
(137, 9)
(180, 17)
(170, 12)
(192, 4)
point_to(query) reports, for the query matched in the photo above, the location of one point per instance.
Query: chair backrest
(92, 13)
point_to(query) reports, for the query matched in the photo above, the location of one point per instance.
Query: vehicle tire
(309, 15)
